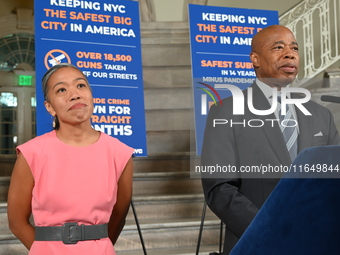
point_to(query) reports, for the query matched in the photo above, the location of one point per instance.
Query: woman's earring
(53, 122)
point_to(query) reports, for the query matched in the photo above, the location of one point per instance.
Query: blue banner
(101, 38)
(220, 40)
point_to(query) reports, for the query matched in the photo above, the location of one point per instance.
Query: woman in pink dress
(76, 181)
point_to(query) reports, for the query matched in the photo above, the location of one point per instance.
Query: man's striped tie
(289, 130)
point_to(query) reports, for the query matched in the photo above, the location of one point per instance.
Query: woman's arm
(19, 202)
(121, 208)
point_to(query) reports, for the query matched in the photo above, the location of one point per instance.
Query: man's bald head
(259, 38)
(275, 55)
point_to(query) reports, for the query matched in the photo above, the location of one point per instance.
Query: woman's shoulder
(115, 142)
(36, 145)
(39, 140)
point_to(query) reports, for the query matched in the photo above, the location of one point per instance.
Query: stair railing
(316, 25)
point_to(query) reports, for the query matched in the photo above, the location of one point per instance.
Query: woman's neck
(77, 136)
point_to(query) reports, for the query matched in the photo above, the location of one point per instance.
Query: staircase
(9, 245)
(168, 202)
(169, 206)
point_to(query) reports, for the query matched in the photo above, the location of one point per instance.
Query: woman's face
(69, 96)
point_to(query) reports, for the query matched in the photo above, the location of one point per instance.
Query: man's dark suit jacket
(236, 199)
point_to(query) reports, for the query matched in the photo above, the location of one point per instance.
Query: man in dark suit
(235, 197)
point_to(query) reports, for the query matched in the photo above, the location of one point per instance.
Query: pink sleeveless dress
(74, 184)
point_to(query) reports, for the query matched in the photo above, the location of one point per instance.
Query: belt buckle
(72, 233)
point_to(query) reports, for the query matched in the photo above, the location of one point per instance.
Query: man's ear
(49, 108)
(255, 59)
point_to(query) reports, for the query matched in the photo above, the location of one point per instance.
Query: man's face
(276, 58)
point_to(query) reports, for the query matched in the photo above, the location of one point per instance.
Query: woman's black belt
(71, 233)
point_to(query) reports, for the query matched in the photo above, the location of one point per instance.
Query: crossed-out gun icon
(56, 60)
